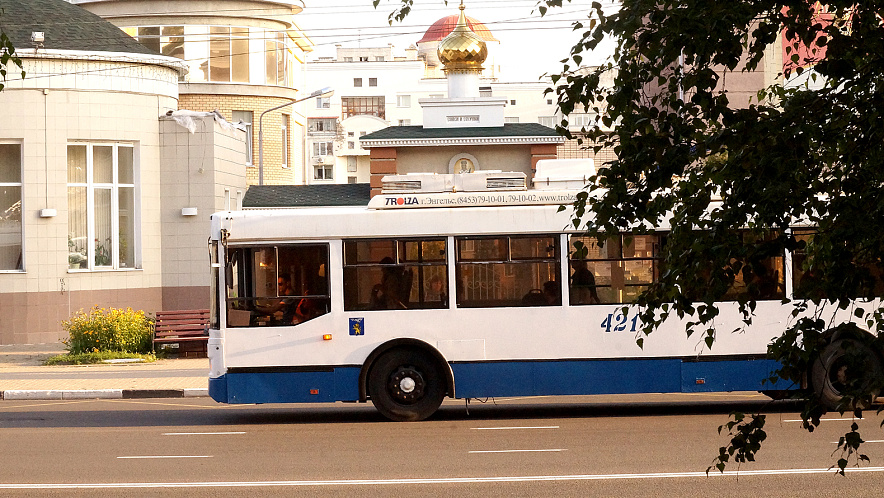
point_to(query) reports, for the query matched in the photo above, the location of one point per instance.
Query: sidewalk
(23, 376)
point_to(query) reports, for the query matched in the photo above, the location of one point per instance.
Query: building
(376, 88)
(464, 132)
(103, 190)
(243, 58)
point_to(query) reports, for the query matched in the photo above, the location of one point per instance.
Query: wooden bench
(188, 330)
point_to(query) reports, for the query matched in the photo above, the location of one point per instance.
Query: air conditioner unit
(480, 181)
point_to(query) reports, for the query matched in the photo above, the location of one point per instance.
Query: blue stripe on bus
(514, 378)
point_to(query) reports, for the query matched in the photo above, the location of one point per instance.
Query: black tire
(846, 365)
(406, 385)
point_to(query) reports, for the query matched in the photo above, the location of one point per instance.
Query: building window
(403, 101)
(511, 120)
(222, 53)
(485, 91)
(322, 149)
(404, 122)
(363, 58)
(549, 101)
(102, 206)
(548, 121)
(317, 125)
(512, 102)
(356, 106)
(351, 179)
(323, 172)
(372, 82)
(246, 117)
(351, 145)
(323, 102)
(357, 82)
(351, 164)
(285, 140)
(348, 59)
(379, 58)
(10, 207)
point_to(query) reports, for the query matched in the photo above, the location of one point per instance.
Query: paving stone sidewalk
(23, 376)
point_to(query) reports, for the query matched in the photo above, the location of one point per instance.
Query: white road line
(513, 428)
(162, 456)
(826, 419)
(201, 433)
(872, 441)
(516, 451)
(441, 480)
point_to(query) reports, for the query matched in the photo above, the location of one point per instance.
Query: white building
(103, 197)
(375, 88)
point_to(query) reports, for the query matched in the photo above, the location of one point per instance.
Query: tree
(7, 56)
(733, 181)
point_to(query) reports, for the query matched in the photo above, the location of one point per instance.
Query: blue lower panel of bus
(534, 378)
(333, 384)
(511, 378)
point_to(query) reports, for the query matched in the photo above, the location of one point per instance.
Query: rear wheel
(406, 385)
(846, 365)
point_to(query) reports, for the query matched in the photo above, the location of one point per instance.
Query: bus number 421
(618, 323)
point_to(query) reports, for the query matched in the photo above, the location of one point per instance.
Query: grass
(88, 358)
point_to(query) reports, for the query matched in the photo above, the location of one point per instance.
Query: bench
(188, 330)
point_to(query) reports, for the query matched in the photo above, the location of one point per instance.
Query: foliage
(89, 358)
(111, 329)
(691, 158)
(7, 56)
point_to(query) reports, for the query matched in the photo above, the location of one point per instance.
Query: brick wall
(274, 173)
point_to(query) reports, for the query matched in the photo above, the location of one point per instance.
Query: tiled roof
(276, 196)
(66, 27)
(419, 132)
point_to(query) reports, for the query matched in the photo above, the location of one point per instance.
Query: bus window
(769, 280)
(613, 272)
(508, 271)
(277, 285)
(381, 274)
(806, 283)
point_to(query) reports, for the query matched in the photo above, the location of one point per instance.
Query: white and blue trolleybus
(461, 286)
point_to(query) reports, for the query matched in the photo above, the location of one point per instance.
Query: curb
(37, 394)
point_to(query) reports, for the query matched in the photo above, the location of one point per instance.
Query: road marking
(516, 451)
(513, 428)
(826, 419)
(201, 433)
(440, 480)
(162, 456)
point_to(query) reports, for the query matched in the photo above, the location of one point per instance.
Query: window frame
(115, 186)
(21, 195)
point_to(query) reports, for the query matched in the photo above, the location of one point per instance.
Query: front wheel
(846, 366)
(406, 385)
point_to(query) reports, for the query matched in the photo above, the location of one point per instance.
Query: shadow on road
(205, 413)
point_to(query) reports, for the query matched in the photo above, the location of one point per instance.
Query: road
(651, 445)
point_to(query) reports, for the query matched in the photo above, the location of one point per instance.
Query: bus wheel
(406, 385)
(845, 365)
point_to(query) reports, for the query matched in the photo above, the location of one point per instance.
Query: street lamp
(322, 92)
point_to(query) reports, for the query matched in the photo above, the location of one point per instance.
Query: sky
(529, 45)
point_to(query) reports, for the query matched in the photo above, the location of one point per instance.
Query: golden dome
(462, 48)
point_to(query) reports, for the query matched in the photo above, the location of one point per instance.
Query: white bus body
(504, 349)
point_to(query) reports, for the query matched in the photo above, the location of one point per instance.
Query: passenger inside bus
(392, 293)
(583, 288)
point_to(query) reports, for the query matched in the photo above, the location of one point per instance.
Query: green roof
(66, 27)
(278, 196)
(520, 130)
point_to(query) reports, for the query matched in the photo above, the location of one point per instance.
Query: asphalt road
(656, 445)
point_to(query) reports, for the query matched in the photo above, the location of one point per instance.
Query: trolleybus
(470, 294)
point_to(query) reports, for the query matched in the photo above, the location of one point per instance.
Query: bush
(108, 329)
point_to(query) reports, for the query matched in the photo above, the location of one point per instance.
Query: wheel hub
(406, 385)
